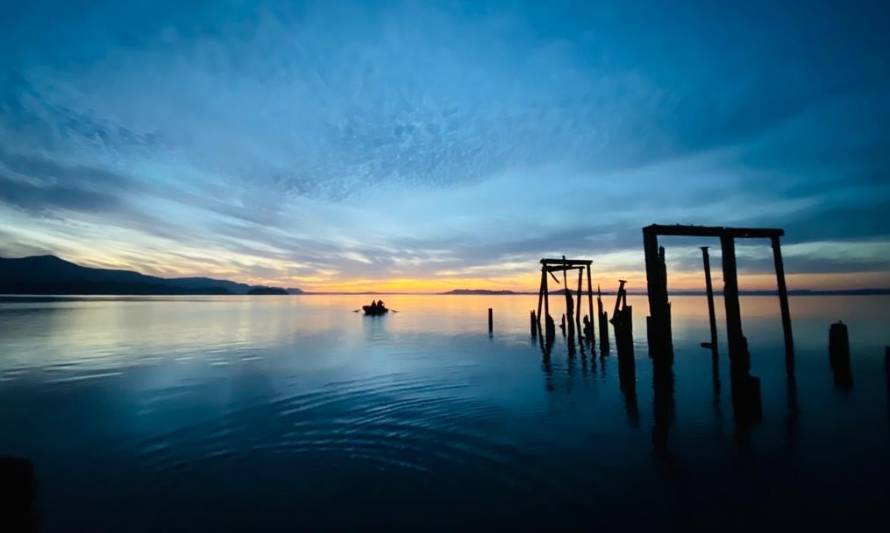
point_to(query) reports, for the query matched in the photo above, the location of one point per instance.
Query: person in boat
(380, 305)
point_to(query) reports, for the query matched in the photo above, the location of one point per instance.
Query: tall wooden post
(541, 290)
(738, 353)
(710, 290)
(578, 305)
(570, 322)
(546, 294)
(656, 288)
(590, 307)
(603, 319)
(783, 299)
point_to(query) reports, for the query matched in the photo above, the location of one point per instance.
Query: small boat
(372, 310)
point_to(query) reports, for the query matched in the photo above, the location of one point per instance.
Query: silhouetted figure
(18, 489)
(839, 355)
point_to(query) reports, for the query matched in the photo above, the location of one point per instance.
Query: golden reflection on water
(108, 331)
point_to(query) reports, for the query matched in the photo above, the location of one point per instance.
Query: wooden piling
(490, 320)
(578, 306)
(839, 355)
(783, 296)
(603, 318)
(533, 323)
(710, 291)
(656, 288)
(541, 290)
(592, 338)
(738, 352)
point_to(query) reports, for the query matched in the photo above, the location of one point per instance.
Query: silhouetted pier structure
(659, 321)
(571, 321)
(709, 289)
(622, 320)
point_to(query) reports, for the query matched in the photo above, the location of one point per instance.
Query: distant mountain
(478, 291)
(260, 289)
(294, 290)
(48, 274)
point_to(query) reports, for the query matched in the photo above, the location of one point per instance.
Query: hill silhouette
(48, 274)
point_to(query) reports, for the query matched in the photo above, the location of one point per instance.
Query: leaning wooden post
(738, 352)
(490, 320)
(783, 295)
(590, 307)
(710, 290)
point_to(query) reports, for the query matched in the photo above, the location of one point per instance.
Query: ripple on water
(386, 422)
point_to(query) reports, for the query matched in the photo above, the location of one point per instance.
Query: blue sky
(442, 144)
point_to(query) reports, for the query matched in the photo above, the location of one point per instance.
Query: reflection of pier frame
(659, 321)
(548, 267)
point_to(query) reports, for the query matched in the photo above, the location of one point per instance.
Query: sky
(425, 146)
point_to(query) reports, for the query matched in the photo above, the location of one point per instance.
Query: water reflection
(233, 412)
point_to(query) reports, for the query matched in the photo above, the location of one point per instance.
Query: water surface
(269, 413)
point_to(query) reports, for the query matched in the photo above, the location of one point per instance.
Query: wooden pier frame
(659, 320)
(549, 268)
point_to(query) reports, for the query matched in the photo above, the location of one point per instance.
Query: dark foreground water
(293, 413)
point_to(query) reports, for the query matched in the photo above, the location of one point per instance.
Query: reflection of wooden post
(710, 290)
(783, 297)
(738, 352)
(590, 307)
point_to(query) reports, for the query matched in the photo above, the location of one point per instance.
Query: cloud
(399, 138)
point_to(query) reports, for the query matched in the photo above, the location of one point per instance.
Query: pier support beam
(592, 338)
(783, 301)
(709, 288)
(738, 350)
(658, 323)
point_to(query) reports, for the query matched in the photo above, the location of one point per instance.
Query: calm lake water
(270, 413)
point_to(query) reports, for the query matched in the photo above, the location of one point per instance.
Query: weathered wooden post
(578, 306)
(592, 338)
(710, 290)
(783, 298)
(839, 355)
(658, 324)
(738, 350)
(490, 320)
(603, 318)
(568, 319)
(541, 291)
(533, 323)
